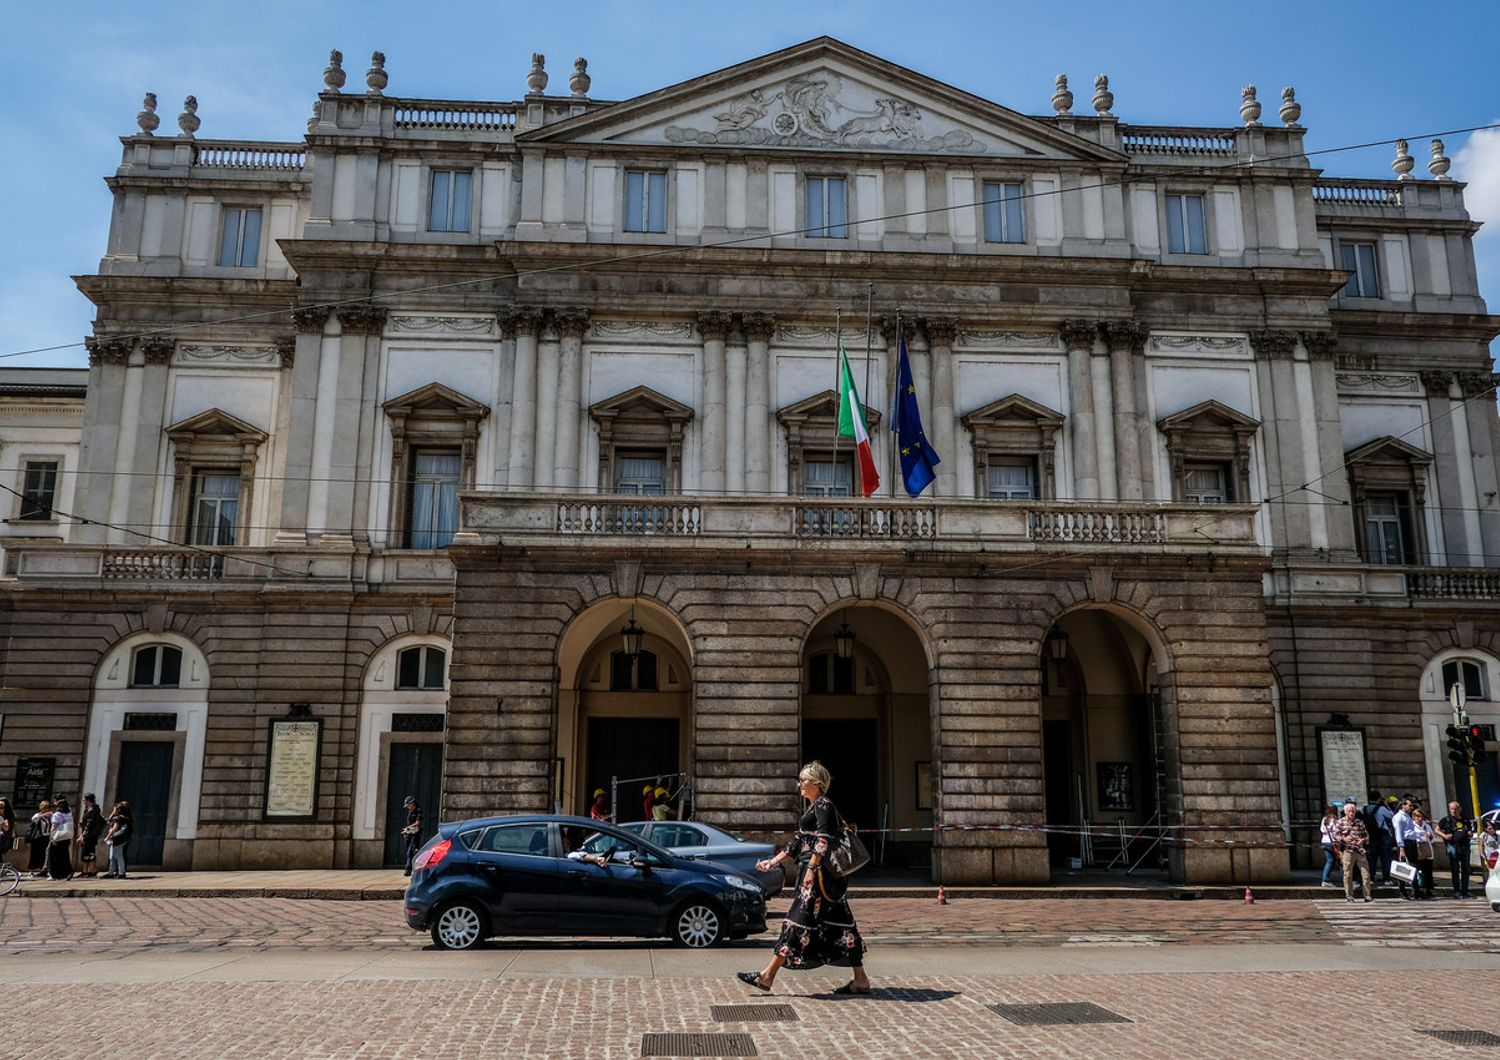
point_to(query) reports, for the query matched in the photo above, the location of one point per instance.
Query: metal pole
(614, 799)
(838, 391)
(869, 320)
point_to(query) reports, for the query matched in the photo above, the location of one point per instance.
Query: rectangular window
(39, 490)
(1205, 484)
(1469, 674)
(1003, 222)
(216, 505)
(432, 513)
(645, 201)
(1186, 233)
(823, 476)
(644, 473)
(450, 201)
(827, 208)
(1386, 531)
(1359, 259)
(239, 245)
(1011, 480)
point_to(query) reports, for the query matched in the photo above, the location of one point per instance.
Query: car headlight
(740, 883)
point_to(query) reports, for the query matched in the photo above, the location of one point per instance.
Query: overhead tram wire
(760, 238)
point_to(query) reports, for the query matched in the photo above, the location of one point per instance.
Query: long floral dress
(819, 928)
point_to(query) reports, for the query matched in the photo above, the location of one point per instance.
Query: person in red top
(1352, 840)
(649, 791)
(598, 811)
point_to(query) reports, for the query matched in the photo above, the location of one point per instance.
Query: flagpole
(838, 393)
(869, 320)
(895, 379)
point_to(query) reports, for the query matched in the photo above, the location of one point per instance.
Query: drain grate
(1057, 1013)
(697, 1045)
(1459, 1036)
(751, 1013)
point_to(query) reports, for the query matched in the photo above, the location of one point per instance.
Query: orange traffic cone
(1249, 898)
(942, 899)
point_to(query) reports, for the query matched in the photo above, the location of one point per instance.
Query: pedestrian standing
(1489, 847)
(648, 802)
(819, 928)
(90, 828)
(661, 806)
(7, 827)
(1387, 821)
(412, 833)
(1378, 823)
(1426, 845)
(37, 838)
(117, 839)
(60, 849)
(599, 811)
(1325, 830)
(1457, 833)
(1352, 840)
(1406, 843)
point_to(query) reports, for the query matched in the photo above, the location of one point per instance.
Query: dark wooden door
(631, 748)
(850, 750)
(145, 781)
(416, 769)
(1058, 787)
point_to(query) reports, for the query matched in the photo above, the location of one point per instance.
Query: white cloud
(1478, 164)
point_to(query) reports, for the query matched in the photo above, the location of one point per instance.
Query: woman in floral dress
(819, 928)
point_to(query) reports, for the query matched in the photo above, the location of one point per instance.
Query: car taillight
(431, 856)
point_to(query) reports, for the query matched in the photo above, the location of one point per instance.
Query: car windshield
(607, 844)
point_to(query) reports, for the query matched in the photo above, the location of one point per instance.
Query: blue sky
(73, 79)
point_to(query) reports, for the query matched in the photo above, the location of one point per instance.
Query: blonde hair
(818, 774)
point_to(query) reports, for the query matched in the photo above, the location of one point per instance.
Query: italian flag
(852, 425)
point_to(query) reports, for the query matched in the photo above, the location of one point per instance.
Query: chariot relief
(807, 111)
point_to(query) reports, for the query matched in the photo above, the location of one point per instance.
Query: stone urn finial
(1249, 106)
(1103, 97)
(1403, 161)
(580, 81)
(1439, 163)
(147, 119)
(1062, 99)
(333, 74)
(188, 121)
(536, 79)
(1291, 110)
(375, 77)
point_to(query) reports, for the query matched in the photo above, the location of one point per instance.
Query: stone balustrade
(1453, 583)
(1177, 141)
(1351, 192)
(435, 115)
(247, 155)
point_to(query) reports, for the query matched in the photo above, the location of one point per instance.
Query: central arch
(865, 714)
(621, 718)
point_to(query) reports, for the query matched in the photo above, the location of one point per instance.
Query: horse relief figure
(891, 116)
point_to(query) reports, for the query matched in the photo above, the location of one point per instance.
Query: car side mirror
(638, 862)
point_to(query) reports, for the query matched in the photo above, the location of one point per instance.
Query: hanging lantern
(1057, 645)
(843, 642)
(631, 637)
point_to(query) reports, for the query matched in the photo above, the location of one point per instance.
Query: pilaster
(1078, 339)
(572, 322)
(892, 334)
(142, 484)
(305, 364)
(1125, 337)
(758, 329)
(713, 326)
(355, 408)
(941, 333)
(107, 360)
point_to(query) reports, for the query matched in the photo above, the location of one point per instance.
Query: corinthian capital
(1126, 335)
(1272, 344)
(1321, 345)
(941, 331)
(1477, 384)
(107, 350)
(309, 320)
(157, 349)
(1079, 334)
(572, 321)
(758, 327)
(1437, 382)
(888, 328)
(713, 324)
(520, 320)
(362, 320)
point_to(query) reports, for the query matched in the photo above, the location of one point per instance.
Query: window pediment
(1210, 432)
(437, 401)
(1208, 417)
(1389, 451)
(215, 425)
(1013, 412)
(640, 405)
(821, 407)
(1015, 426)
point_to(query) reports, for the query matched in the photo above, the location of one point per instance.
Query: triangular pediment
(215, 421)
(1014, 409)
(1208, 415)
(640, 402)
(1388, 450)
(435, 398)
(821, 406)
(823, 95)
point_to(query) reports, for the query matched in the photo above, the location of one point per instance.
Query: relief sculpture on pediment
(808, 111)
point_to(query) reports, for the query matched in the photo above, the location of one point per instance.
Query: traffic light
(1476, 742)
(1459, 741)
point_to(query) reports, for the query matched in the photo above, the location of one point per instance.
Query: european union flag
(917, 456)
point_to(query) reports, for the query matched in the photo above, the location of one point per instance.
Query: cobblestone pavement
(108, 924)
(1253, 1015)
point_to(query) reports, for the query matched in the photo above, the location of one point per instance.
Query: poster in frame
(1116, 786)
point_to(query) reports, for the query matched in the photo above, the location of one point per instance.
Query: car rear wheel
(459, 926)
(698, 925)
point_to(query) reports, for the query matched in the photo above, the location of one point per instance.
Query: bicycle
(10, 879)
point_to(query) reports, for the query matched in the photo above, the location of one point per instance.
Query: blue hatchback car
(549, 875)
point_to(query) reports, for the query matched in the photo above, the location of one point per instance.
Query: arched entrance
(1104, 759)
(625, 707)
(865, 716)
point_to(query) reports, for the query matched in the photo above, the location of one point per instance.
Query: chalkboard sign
(34, 780)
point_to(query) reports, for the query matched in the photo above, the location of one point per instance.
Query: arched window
(421, 667)
(1470, 673)
(632, 675)
(156, 666)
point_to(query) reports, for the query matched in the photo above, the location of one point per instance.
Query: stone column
(143, 485)
(348, 489)
(1276, 349)
(548, 353)
(106, 392)
(758, 329)
(522, 323)
(1337, 517)
(303, 401)
(941, 333)
(1478, 391)
(713, 325)
(1104, 424)
(735, 369)
(1078, 339)
(893, 360)
(1449, 473)
(572, 322)
(1124, 336)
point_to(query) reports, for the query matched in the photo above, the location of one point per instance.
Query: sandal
(752, 979)
(850, 988)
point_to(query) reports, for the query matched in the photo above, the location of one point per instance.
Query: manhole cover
(751, 1013)
(1460, 1036)
(1057, 1013)
(697, 1045)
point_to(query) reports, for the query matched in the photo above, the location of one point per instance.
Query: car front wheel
(698, 925)
(459, 926)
